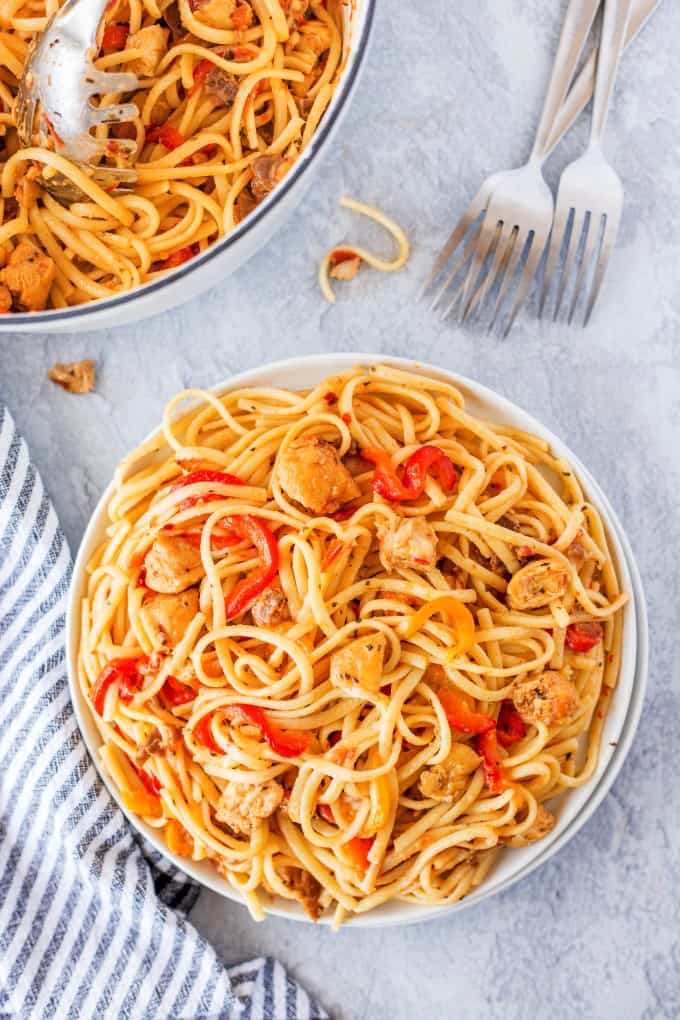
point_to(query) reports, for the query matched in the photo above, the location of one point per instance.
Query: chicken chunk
(166, 617)
(244, 205)
(267, 172)
(173, 564)
(75, 376)
(407, 542)
(5, 299)
(270, 608)
(537, 584)
(153, 43)
(305, 888)
(576, 553)
(220, 13)
(311, 473)
(28, 276)
(360, 663)
(346, 269)
(550, 698)
(542, 824)
(447, 780)
(221, 86)
(241, 805)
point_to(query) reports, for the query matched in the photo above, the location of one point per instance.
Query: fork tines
(487, 264)
(580, 247)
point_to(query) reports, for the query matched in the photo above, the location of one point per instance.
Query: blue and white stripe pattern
(92, 924)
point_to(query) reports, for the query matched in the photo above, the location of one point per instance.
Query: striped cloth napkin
(92, 922)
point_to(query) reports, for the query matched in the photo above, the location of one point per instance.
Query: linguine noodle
(259, 730)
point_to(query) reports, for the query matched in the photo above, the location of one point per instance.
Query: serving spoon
(54, 103)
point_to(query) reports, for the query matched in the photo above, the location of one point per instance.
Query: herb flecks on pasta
(230, 94)
(347, 642)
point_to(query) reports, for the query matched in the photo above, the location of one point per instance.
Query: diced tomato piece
(175, 693)
(581, 637)
(178, 258)
(242, 17)
(341, 255)
(510, 726)
(114, 38)
(166, 135)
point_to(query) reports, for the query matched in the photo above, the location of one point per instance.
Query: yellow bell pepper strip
(381, 798)
(459, 616)
(139, 802)
(178, 839)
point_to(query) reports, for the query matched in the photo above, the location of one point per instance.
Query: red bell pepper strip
(510, 726)
(114, 38)
(168, 136)
(487, 747)
(460, 716)
(176, 693)
(429, 459)
(581, 637)
(358, 850)
(207, 475)
(286, 743)
(126, 673)
(218, 540)
(152, 784)
(203, 734)
(411, 485)
(264, 540)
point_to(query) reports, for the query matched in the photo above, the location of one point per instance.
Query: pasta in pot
(230, 93)
(347, 642)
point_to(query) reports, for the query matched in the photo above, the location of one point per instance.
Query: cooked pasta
(230, 93)
(343, 262)
(347, 642)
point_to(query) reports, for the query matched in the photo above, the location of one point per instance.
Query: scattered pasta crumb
(76, 376)
(344, 263)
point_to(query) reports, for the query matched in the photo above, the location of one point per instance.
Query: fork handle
(612, 42)
(581, 92)
(575, 30)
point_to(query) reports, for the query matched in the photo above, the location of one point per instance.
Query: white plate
(575, 807)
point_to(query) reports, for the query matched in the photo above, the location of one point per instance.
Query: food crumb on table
(74, 376)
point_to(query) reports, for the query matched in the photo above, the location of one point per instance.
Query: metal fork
(590, 195)
(518, 203)
(54, 99)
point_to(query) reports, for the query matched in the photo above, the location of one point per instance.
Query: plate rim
(412, 913)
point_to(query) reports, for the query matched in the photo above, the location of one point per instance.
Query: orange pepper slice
(459, 616)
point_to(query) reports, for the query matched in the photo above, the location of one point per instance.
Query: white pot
(226, 255)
